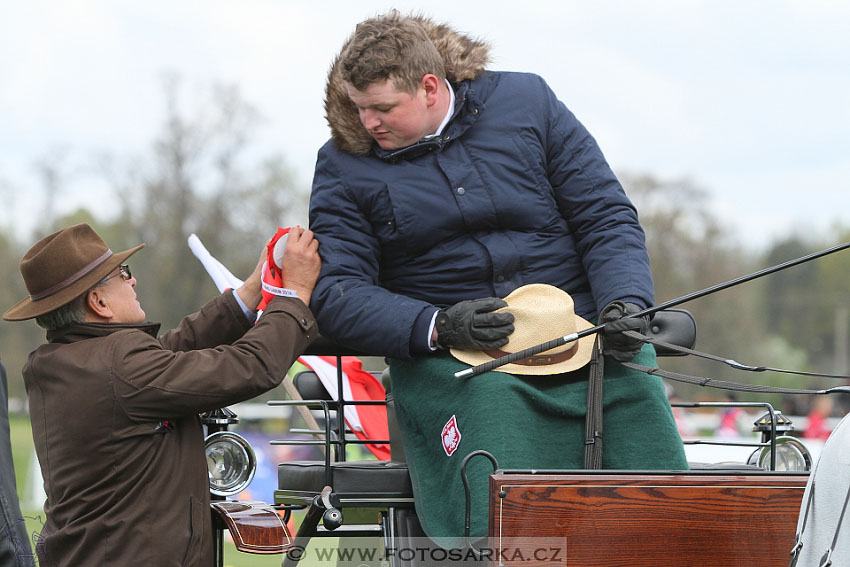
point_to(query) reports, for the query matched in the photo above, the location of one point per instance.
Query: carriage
(715, 513)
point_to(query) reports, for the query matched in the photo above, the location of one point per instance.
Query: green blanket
(525, 422)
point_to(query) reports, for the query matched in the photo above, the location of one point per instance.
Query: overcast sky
(749, 99)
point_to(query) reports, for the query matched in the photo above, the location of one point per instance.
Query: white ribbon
(282, 291)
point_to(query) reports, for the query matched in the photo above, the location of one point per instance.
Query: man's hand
(250, 292)
(472, 325)
(615, 317)
(301, 263)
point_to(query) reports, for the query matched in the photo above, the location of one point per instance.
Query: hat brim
(583, 354)
(28, 309)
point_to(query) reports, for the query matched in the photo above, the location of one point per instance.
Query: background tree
(774, 321)
(201, 179)
(16, 340)
(202, 175)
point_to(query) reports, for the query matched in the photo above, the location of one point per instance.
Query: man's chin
(387, 144)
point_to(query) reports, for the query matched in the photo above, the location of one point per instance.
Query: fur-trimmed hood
(464, 56)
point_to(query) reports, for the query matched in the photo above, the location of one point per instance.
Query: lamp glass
(231, 463)
(791, 455)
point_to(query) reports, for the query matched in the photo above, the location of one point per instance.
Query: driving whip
(531, 351)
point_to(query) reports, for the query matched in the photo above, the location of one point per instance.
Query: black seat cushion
(352, 477)
(310, 387)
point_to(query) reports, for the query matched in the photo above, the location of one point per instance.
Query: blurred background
(727, 122)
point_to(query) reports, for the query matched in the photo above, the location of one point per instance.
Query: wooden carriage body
(720, 515)
(718, 518)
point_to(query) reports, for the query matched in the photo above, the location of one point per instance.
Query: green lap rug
(525, 422)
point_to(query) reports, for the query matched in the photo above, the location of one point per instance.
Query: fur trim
(465, 58)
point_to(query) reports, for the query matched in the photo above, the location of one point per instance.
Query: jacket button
(475, 112)
(461, 190)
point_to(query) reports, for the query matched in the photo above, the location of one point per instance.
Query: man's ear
(97, 302)
(431, 84)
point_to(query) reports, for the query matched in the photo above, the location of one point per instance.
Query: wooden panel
(636, 520)
(255, 526)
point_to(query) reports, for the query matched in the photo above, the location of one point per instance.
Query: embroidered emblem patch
(451, 436)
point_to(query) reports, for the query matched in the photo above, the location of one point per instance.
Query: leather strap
(798, 542)
(72, 278)
(593, 417)
(540, 359)
(724, 385)
(728, 361)
(826, 560)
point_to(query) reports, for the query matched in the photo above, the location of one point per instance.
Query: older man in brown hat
(115, 409)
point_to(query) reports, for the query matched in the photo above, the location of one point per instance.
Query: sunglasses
(123, 271)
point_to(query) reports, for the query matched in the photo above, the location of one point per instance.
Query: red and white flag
(366, 422)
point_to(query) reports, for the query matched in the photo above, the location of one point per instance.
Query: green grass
(233, 558)
(22, 452)
(21, 436)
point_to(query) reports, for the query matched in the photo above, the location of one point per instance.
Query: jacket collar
(81, 331)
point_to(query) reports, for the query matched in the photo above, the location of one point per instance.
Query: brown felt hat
(541, 312)
(62, 267)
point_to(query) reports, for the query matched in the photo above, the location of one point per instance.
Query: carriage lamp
(763, 424)
(791, 454)
(231, 462)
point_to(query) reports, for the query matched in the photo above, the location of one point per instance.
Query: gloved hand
(472, 325)
(615, 317)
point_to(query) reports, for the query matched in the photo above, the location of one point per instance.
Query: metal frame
(335, 439)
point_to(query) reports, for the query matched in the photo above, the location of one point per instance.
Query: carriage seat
(350, 478)
(354, 484)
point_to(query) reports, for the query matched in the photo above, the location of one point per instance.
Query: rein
(556, 342)
(722, 384)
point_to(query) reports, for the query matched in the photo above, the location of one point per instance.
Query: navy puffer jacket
(515, 191)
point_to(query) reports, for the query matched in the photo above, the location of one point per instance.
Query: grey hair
(71, 313)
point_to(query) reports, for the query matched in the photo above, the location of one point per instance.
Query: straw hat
(541, 312)
(62, 267)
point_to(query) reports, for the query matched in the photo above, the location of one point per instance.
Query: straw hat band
(540, 359)
(72, 278)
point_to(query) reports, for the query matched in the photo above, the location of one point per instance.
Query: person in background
(114, 407)
(817, 426)
(444, 188)
(731, 419)
(15, 550)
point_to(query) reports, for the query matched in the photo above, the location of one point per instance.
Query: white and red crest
(451, 436)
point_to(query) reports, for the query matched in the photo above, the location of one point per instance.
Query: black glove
(615, 317)
(471, 325)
